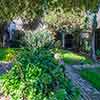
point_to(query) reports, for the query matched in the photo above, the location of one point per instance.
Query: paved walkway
(87, 91)
(4, 66)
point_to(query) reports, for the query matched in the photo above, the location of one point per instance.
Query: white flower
(57, 56)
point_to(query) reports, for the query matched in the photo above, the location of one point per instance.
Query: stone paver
(87, 91)
(4, 66)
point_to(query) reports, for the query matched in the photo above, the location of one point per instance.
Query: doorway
(97, 39)
(68, 41)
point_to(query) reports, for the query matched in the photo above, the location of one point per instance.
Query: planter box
(98, 57)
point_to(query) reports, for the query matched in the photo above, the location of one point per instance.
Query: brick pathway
(87, 91)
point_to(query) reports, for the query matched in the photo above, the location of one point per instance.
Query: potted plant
(98, 54)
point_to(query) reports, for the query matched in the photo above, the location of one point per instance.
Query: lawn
(92, 75)
(7, 54)
(73, 58)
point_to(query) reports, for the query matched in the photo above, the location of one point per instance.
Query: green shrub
(32, 39)
(36, 75)
(98, 52)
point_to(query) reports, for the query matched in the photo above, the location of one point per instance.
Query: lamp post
(63, 30)
(93, 19)
(93, 37)
(63, 40)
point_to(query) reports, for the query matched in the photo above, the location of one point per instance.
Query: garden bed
(37, 75)
(98, 58)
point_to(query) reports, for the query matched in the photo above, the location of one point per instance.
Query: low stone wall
(79, 67)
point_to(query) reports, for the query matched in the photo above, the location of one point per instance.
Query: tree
(9, 9)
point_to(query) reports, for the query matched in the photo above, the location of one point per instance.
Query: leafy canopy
(30, 8)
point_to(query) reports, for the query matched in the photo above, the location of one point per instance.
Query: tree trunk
(1, 34)
(93, 53)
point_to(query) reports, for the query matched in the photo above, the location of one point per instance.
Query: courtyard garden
(44, 46)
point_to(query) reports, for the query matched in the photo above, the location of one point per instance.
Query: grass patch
(7, 54)
(92, 75)
(73, 58)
